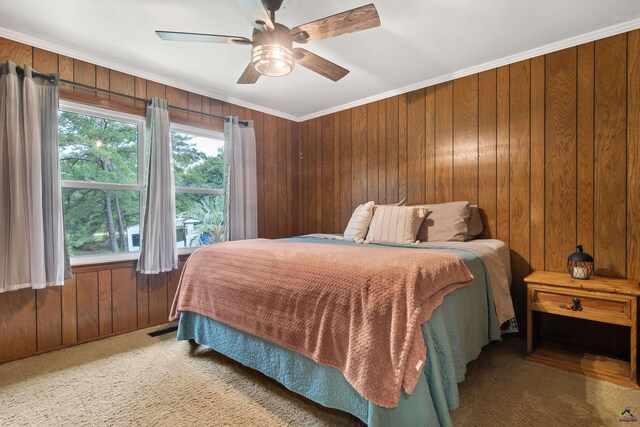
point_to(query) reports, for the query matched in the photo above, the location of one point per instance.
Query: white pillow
(359, 223)
(396, 224)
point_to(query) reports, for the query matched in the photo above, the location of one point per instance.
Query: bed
(467, 319)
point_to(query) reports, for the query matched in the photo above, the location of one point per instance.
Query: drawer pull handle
(577, 305)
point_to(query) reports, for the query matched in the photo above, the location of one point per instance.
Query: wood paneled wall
(98, 301)
(549, 148)
(104, 300)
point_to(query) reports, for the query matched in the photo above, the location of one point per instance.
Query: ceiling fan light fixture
(272, 60)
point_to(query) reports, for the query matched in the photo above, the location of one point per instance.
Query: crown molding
(532, 53)
(92, 59)
(542, 50)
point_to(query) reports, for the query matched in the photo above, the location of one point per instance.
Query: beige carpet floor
(134, 379)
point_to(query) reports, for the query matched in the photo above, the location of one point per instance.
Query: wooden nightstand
(602, 299)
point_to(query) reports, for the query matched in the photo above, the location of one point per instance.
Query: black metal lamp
(580, 264)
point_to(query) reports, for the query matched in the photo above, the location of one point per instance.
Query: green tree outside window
(100, 150)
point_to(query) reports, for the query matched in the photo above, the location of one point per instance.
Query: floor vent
(163, 331)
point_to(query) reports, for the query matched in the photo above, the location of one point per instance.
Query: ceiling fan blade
(249, 76)
(319, 65)
(257, 14)
(358, 19)
(176, 36)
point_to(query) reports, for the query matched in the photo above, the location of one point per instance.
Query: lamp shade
(580, 264)
(272, 52)
(272, 60)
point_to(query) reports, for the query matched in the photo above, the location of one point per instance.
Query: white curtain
(158, 251)
(32, 251)
(241, 201)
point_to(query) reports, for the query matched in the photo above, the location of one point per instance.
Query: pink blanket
(355, 308)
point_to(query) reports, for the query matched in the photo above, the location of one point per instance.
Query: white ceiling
(420, 42)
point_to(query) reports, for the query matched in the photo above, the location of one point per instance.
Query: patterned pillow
(359, 223)
(402, 202)
(396, 224)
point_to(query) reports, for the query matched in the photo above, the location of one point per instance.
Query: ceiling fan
(272, 52)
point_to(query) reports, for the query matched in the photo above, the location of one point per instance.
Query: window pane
(97, 150)
(199, 219)
(101, 221)
(198, 161)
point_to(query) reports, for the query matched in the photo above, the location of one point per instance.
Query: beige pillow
(359, 223)
(474, 225)
(447, 222)
(402, 202)
(395, 224)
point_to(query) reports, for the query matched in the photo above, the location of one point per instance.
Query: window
(102, 167)
(101, 158)
(198, 159)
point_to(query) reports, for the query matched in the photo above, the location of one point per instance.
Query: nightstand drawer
(596, 306)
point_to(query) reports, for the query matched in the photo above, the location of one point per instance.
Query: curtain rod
(49, 77)
(148, 101)
(52, 79)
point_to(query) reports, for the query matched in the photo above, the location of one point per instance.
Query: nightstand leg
(634, 340)
(529, 321)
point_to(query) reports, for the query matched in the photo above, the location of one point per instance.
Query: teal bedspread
(454, 335)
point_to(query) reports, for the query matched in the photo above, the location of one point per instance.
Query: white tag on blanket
(419, 365)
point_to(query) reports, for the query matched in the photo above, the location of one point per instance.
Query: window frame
(90, 110)
(140, 122)
(204, 133)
